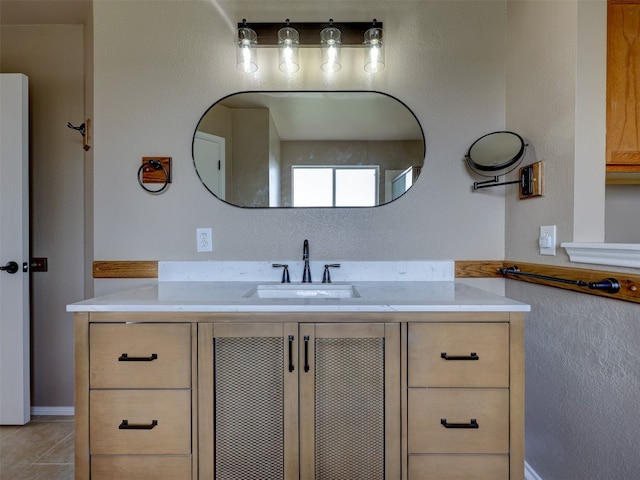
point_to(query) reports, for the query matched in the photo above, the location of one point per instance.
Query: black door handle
(10, 267)
(306, 353)
(291, 367)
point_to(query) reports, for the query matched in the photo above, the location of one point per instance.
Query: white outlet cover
(547, 240)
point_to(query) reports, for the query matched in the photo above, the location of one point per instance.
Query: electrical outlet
(532, 180)
(547, 240)
(203, 239)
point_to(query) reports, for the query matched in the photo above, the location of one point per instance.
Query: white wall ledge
(618, 254)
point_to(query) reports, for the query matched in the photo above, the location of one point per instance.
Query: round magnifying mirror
(495, 151)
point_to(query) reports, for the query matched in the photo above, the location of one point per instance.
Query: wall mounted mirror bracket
(530, 180)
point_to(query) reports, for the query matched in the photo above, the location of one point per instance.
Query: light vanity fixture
(330, 38)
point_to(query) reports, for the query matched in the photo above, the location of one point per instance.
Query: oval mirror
(495, 151)
(308, 149)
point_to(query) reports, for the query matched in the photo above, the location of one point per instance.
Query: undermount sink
(303, 290)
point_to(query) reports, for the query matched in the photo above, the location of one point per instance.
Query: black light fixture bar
(352, 32)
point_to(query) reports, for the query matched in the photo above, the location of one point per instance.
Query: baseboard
(530, 473)
(52, 411)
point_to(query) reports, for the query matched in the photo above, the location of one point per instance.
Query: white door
(14, 247)
(209, 157)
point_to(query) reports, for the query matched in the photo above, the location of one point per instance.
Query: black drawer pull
(472, 424)
(126, 358)
(126, 426)
(472, 356)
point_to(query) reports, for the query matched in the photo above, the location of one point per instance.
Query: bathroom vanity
(412, 379)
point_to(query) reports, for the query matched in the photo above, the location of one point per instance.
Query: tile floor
(40, 450)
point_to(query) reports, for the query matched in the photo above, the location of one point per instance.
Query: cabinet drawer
(170, 408)
(459, 467)
(141, 467)
(140, 355)
(428, 342)
(490, 409)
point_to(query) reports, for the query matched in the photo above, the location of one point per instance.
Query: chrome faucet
(306, 274)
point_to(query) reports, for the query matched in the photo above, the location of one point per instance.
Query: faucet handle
(326, 276)
(285, 272)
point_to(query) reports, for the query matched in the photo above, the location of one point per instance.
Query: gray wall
(582, 384)
(582, 374)
(160, 65)
(52, 56)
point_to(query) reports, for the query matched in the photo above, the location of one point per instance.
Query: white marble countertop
(202, 296)
(408, 286)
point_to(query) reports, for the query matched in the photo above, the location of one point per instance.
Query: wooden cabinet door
(623, 86)
(349, 401)
(248, 393)
(308, 401)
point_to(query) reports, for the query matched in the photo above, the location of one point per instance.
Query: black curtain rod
(609, 285)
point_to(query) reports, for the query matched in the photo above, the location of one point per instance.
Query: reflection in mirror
(308, 149)
(496, 151)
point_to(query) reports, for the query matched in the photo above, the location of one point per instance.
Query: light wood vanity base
(444, 395)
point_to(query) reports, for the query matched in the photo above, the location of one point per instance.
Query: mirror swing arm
(492, 183)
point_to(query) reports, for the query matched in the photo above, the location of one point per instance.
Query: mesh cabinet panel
(349, 408)
(249, 432)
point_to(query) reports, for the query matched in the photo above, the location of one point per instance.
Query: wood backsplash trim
(478, 268)
(125, 269)
(629, 283)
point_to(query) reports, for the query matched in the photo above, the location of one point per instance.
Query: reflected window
(334, 186)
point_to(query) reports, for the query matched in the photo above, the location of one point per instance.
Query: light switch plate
(547, 240)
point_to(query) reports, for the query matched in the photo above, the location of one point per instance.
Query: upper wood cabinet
(623, 86)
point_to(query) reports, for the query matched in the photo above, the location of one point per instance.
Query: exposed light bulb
(288, 40)
(374, 52)
(246, 58)
(330, 41)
